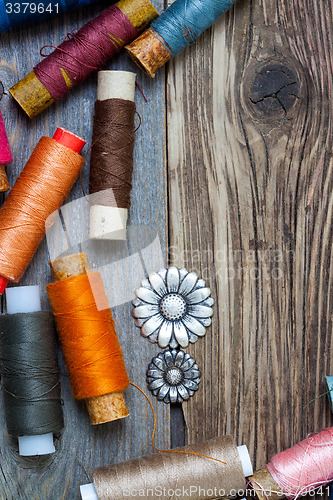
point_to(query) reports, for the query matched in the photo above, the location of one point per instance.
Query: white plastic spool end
(30, 446)
(245, 458)
(23, 299)
(26, 299)
(88, 492)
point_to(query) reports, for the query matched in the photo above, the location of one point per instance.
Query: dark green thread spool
(30, 374)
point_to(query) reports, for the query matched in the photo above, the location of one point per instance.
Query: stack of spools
(83, 318)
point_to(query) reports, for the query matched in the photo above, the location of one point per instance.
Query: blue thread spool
(329, 383)
(179, 26)
(15, 13)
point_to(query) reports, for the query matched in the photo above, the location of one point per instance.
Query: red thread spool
(85, 52)
(40, 190)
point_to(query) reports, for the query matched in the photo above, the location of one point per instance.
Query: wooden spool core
(262, 479)
(4, 185)
(108, 407)
(141, 13)
(148, 52)
(31, 94)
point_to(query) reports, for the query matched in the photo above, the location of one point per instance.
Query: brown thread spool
(108, 407)
(112, 155)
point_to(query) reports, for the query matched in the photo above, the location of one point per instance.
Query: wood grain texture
(249, 120)
(60, 475)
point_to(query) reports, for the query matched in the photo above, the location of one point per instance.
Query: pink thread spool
(5, 156)
(298, 470)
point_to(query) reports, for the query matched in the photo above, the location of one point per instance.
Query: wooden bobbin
(4, 184)
(265, 486)
(109, 223)
(31, 94)
(148, 52)
(108, 407)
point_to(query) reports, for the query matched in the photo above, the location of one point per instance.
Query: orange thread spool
(88, 337)
(41, 188)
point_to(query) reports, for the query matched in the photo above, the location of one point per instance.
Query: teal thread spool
(329, 383)
(176, 28)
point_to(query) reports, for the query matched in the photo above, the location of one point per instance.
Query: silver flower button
(173, 307)
(173, 376)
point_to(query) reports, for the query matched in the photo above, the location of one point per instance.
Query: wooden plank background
(250, 207)
(243, 194)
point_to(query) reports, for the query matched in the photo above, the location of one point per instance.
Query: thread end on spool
(31, 446)
(107, 408)
(31, 95)
(148, 52)
(4, 185)
(69, 140)
(108, 223)
(245, 458)
(3, 283)
(88, 492)
(263, 482)
(69, 265)
(23, 299)
(140, 13)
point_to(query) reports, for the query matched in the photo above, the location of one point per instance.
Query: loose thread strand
(154, 430)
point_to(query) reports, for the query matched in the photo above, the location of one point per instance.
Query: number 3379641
(31, 8)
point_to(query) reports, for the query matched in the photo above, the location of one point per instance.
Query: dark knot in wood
(274, 89)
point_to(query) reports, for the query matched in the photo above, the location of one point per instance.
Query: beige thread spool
(176, 471)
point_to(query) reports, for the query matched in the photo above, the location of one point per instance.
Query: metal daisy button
(173, 376)
(173, 307)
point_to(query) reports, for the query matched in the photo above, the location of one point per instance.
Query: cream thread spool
(109, 223)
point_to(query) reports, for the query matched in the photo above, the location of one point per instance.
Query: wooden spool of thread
(180, 469)
(39, 191)
(111, 164)
(12, 17)
(179, 26)
(30, 373)
(85, 52)
(5, 156)
(88, 338)
(297, 471)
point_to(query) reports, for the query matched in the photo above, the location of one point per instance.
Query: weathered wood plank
(249, 115)
(59, 476)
